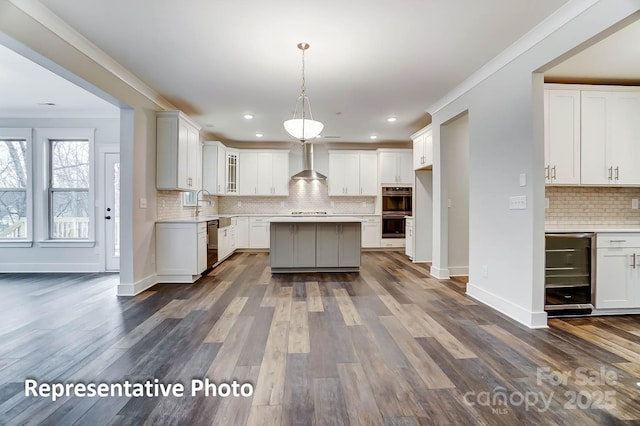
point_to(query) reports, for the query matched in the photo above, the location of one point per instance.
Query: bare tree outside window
(69, 189)
(13, 189)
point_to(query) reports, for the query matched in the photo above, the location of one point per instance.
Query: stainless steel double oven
(396, 204)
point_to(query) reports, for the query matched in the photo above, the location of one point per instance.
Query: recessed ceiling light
(373, 137)
(319, 137)
(248, 116)
(259, 135)
(47, 104)
(391, 119)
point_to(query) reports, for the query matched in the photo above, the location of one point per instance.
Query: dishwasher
(569, 273)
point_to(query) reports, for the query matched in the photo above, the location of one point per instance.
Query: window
(69, 186)
(14, 185)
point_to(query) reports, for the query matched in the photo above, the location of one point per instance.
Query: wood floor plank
(265, 415)
(414, 326)
(446, 339)
(298, 407)
(425, 366)
(329, 402)
(299, 329)
(283, 304)
(314, 299)
(360, 402)
(269, 388)
(349, 312)
(226, 360)
(221, 329)
(212, 296)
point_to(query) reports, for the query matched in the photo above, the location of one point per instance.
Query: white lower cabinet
(618, 271)
(371, 231)
(259, 232)
(226, 241)
(242, 232)
(181, 250)
(408, 250)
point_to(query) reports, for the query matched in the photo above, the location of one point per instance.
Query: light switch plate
(518, 202)
(523, 179)
(634, 203)
(546, 203)
(143, 203)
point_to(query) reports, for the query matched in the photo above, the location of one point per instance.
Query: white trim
(440, 273)
(16, 243)
(627, 311)
(55, 24)
(179, 279)
(518, 313)
(49, 267)
(42, 137)
(24, 133)
(137, 287)
(552, 23)
(66, 243)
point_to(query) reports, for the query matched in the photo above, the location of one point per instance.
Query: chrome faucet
(203, 200)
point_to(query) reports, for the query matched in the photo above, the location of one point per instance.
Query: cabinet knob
(108, 217)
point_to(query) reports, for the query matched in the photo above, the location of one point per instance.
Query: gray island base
(315, 244)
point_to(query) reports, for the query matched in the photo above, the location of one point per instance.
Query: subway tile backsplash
(303, 196)
(169, 206)
(584, 205)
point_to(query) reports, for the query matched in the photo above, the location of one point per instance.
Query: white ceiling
(369, 59)
(26, 86)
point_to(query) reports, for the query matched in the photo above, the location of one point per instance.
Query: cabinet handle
(634, 261)
(617, 241)
(553, 174)
(617, 172)
(547, 176)
(610, 173)
(360, 190)
(218, 188)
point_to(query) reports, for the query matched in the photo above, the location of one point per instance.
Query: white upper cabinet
(610, 138)
(178, 152)
(562, 137)
(353, 173)
(368, 173)
(214, 168)
(422, 148)
(264, 172)
(231, 165)
(396, 166)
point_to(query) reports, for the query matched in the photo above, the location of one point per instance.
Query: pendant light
(303, 128)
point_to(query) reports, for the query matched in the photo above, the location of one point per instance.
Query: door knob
(107, 217)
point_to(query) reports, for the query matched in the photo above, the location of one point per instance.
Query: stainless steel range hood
(307, 163)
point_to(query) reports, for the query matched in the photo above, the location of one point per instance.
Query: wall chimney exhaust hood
(307, 163)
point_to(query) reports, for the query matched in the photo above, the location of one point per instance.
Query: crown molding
(55, 24)
(541, 31)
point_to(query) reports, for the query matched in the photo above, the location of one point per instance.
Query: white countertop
(340, 217)
(592, 228)
(316, 219)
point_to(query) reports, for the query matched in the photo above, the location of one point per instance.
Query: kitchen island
(315, 244)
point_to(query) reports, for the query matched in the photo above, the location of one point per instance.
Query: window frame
(45, 139)
(26, 135)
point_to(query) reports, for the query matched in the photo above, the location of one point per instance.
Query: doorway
(112, 210)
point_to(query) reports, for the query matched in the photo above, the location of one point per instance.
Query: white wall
(505, 140)
(60, 259)
(454, 137)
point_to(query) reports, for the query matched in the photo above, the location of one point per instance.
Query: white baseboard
(440, 273)
(49, 267)
(518, 313)
(137, 287)
(458, 270)
(624, 311)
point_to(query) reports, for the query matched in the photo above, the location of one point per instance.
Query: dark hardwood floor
(389, 345)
